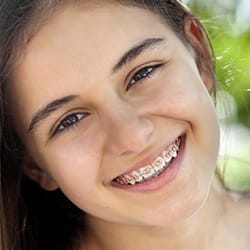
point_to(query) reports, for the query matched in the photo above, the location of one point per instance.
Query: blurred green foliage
(235, 174)
(232, 50)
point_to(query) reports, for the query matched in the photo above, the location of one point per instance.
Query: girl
(109, 137)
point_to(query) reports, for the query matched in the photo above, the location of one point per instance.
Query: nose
(126, 130)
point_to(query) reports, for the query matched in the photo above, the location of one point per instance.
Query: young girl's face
(105, 91)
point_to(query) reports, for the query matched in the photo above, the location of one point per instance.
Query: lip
(166, 176)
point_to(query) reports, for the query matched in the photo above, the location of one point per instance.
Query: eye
(69, 122)
(141, 74)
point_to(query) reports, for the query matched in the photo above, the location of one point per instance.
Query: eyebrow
(48, 109)
(137, 50)
(130, 55)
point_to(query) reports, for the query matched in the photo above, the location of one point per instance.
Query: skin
(73, 54)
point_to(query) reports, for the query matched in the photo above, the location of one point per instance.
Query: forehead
(109, 24)
(80, 45)
(78, 36)
(95, 27)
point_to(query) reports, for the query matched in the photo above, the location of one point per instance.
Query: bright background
(228, 23)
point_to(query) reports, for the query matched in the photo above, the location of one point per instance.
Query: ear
(38, 175)
(200, 43)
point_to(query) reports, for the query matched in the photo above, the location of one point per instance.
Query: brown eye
(70, 121)
(142, 74)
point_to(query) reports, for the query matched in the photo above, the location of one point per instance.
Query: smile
(158, 165)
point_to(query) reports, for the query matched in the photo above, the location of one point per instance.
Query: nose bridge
(126, 130)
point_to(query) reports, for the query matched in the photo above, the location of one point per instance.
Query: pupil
(69, 121)
(143, 73)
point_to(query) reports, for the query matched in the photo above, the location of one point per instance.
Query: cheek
(75, 163)
(183, 97)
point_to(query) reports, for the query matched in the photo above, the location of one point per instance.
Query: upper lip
(149, 160)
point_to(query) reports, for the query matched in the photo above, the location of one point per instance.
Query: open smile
(162, 167)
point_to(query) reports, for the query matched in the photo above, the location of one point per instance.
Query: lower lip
(164, 178)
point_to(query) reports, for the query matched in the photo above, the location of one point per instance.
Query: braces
(149, 171)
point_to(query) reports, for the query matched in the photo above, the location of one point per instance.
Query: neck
(194, 231)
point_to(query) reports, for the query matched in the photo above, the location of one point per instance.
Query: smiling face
(104, 92)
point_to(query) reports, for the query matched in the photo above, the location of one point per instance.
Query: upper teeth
(147, 172)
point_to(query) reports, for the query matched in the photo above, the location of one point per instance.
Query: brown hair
(30, 217)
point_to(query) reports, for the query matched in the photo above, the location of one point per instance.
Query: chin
(186, 205)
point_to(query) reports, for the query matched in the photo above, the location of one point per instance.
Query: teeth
(174, 154)
(158, 163)
(145, 170)
(139, 178)
(178, 142)
(166, 156)
(121, 180)
(148, 172)
(132, 181)
(135, 174)
(126, 178)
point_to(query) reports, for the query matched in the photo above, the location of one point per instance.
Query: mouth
(149, 173)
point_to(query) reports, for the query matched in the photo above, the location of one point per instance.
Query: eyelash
(141, 74)
(69, 122)
(73, 120)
